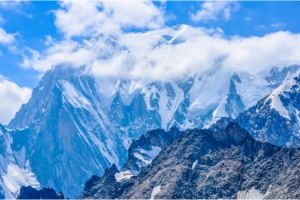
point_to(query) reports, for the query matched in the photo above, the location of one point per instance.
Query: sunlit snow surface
(195, 165)
(250, 194)
(15, 169)
(155, 191)
(123, 175)
(145, 156)
(73, 96)
(275, 99)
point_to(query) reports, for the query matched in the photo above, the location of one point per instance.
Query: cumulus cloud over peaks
(86, 18)
(164, 53)
(212, 10)
(170, 52)
(11, 99)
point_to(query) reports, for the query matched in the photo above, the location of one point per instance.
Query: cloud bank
(11, 99)
(97, 37)
(170, 52)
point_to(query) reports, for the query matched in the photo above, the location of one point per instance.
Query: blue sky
(37, 34)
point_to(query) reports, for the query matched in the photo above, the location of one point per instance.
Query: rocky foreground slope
(225, 163)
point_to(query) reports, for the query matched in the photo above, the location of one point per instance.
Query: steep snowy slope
(75, 123)
(66, 133)
(15, 169)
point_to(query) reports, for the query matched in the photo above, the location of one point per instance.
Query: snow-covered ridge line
(275, 119)
(275, 99)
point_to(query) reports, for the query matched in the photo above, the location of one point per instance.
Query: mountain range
(76, 123)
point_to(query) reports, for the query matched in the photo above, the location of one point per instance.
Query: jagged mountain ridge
(142, 151)
(204, 164)
(45, 193)
(275, 116)
(73, 116)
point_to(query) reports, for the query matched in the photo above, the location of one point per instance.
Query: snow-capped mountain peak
(275, 119)
(280, 93)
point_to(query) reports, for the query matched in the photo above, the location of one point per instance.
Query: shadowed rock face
(225, 163)
(107, 179)
(142, 151)
(28, 193)
(45, 193)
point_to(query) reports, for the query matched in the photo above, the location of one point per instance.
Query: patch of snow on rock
(73, 96)
(155, 191)
(275, 99)
(250, 194)
(195, 165)
(123, 175)
(147, 156)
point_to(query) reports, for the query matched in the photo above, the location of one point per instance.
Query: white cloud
(82, 18)
(170, 53)
(278, 25)
(159, 53)
(64, 52)
(6, 38)
(49, 40)
(16, 6)
(212, 10)
(11, 99)
(261, 27)
(10, 4)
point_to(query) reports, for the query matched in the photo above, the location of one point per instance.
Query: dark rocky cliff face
(143, 150)
(225, 163)
(45, 193)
